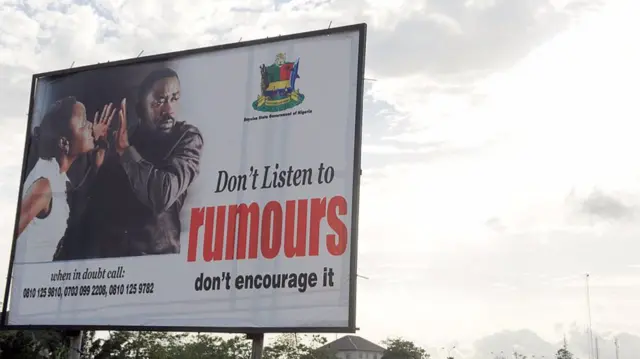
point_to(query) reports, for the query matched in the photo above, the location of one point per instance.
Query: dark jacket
(135, 200)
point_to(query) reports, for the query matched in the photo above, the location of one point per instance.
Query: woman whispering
(63, 136)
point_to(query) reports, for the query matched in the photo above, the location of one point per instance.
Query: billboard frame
(361, 29)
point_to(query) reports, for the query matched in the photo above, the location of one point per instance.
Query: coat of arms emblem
(278, 90)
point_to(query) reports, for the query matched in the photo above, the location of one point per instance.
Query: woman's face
(81, 131)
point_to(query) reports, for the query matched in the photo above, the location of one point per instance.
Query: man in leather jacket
(136, 197)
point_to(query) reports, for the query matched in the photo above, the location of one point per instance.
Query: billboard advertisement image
(210, 189)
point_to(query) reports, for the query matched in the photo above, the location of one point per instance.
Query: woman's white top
(39, 240)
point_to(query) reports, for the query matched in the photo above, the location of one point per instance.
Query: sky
(498, 152)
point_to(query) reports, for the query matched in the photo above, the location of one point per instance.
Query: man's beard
(164, 123)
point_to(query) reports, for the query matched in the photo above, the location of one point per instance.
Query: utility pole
(615, 341)
(449, 353)
(597, 349)
(589, 314)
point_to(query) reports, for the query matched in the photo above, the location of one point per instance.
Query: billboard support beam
(75, 344)
(257, 345)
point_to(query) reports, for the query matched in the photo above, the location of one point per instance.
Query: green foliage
(399, 348)
(32, 344)
(209, 346)
(296, 346)
(564, 353)
(155, 345)
(163, 345)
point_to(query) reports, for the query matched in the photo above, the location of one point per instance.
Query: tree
(90, 345)
(155, 345)
(33, 344)
(164, 345)
(564, 353)
(399, 348)
(296, 346)
(209, 346)
(118, 345)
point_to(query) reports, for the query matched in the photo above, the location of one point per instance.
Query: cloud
(605, 206)
(453, 36)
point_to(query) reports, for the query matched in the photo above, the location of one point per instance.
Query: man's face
(161, 104)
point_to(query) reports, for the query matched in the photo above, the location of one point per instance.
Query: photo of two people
(109, 165)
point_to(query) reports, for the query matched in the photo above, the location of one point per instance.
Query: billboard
(213, 189)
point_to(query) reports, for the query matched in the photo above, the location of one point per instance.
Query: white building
(354, 347)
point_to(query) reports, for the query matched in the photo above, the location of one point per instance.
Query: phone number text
(97, 290)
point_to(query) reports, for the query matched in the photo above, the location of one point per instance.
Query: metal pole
(75, 346)
(257, 345)
(589, 317)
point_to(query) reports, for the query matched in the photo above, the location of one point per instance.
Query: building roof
(352, 342)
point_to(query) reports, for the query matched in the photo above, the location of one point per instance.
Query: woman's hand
(101, 122)
(122, 140)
